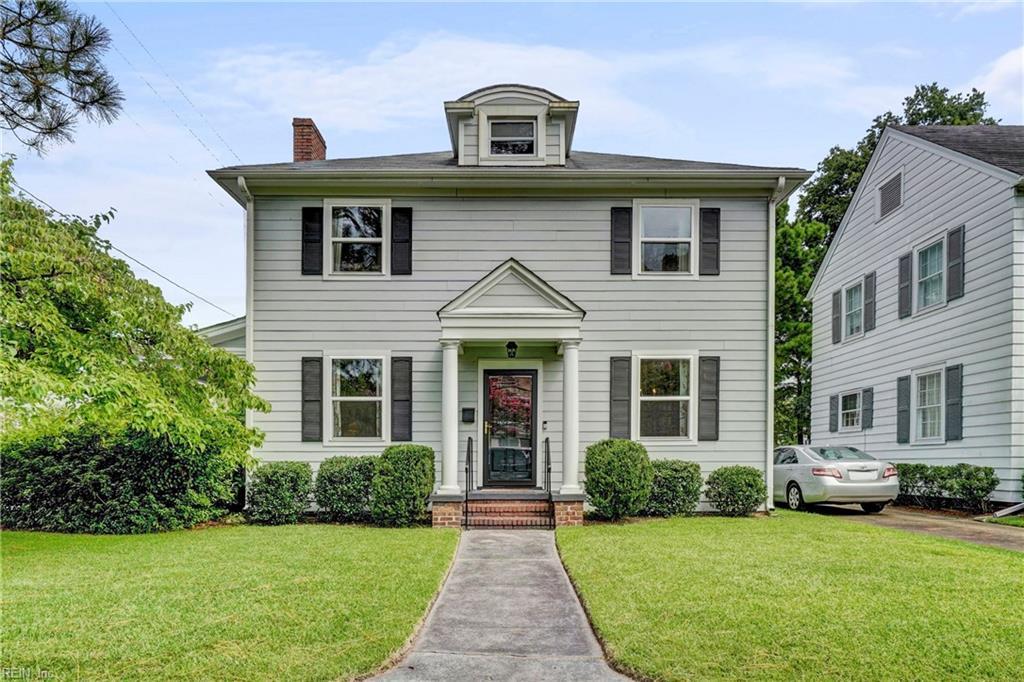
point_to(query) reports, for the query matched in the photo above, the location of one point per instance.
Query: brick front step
(509, 508)
(489, 521)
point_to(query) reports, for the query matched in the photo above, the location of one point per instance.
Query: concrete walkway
(506, 612)
(947, 526)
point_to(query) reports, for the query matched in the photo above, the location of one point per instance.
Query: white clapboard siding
(565, 242)
(940, 192)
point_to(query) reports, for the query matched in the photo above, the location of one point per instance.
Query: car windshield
(838, 454)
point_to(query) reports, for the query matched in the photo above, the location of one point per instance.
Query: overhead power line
(131, 257)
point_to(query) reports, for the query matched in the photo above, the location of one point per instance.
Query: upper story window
(853, 306)
(358, 236)
(664, 395)
(357, 404)
(890, 195)
(513, 136)
(665, 237)
(930, 275)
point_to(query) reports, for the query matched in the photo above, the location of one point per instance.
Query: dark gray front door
(510, 427)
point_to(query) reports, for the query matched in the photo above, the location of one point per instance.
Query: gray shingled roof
(442, 161)
(1001, 146)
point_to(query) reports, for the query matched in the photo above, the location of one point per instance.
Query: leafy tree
(825, 196)
(84, 344)
(50, 71)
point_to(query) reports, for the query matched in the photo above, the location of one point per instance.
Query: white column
(449, 418)
(570, 418)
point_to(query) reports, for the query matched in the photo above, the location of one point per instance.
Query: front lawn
(1009, 521)
(797, 596)
(310, 602)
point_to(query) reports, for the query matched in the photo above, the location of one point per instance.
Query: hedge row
(623, 481)
(939, 487)
(389, 490)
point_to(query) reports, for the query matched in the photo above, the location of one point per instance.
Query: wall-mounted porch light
(511, 348)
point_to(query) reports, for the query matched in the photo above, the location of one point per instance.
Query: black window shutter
(312, 399)
(903, 410)
(619, 411)
(622, 241)
(955, 402)
(867, 408)
(904, 290)
(869, 301)
(710, 241)
(401, 398)
(837, 316)
(955, 263)
(833, 413)
(401, 240)
(312, 240)
(707, 392)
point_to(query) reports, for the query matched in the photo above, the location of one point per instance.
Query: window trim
(329, 239)
(901, 172)
(537, 112)
(634, 392)
(859, 411)
(915, 438)
(915, 273)
(329, 439)
(532, 120)
(845, 312)
(694, 240)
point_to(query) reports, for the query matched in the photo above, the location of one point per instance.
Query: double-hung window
(665, 237)
(850, 411)
(931, 265)
(513, 136)
(358, 234)
(928, 405)
(357, 397)
(853, 307)
(664, 396)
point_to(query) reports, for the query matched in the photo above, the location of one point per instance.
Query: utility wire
(174, 82)
(129, 256)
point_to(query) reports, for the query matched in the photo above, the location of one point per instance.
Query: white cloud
(1002, 81)
(983, 7)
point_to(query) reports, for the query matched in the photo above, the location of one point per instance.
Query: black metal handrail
(469, 481)
(547, 481)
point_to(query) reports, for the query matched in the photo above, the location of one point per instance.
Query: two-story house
(510, 301)
(918, 349)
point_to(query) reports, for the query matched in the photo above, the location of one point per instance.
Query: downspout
(250, 225)
(769, 425)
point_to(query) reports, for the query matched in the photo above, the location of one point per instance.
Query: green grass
(1009, 521)
(309, 602)
(797, 596)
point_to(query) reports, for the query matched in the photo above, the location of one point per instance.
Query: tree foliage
(826, 196)
(86, 344)
(50, 71)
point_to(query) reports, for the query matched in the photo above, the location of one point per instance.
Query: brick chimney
(307, 142)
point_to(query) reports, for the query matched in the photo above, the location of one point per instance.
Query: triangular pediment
(511, 288)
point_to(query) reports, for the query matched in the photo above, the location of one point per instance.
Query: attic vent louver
(890, 195)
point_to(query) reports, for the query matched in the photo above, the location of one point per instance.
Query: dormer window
(513, 136)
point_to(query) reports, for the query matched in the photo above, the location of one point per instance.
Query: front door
(510, 427)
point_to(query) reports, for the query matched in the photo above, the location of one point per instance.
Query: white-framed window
(928, 404)
(513, 136)
(665, 237)
(357, 388)
(853, 310)
(930, 274)
(663, 396)
(357, 237)
(850, 411)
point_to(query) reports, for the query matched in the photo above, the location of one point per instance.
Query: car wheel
(794, 498)
(872, 507)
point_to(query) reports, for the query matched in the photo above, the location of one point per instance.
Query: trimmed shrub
(736, 490)
(91, 482)
(972, 485)
(619, 477)
(675, 489)
(279, 492)
(401, 485)
(342, 489)
(944, 487)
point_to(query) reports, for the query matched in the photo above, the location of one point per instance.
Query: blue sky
(774, 84)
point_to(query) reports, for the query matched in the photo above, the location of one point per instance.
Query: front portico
(504, 341)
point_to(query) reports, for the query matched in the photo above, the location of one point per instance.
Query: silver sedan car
(806, 474)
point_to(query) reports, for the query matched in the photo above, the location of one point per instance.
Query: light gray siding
(457, 241)
(470, 153)
(940, 193)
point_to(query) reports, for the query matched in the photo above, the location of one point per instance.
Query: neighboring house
(918, 350)
(512, 295)
(229, 335)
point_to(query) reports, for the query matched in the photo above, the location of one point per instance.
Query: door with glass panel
(510, 427)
